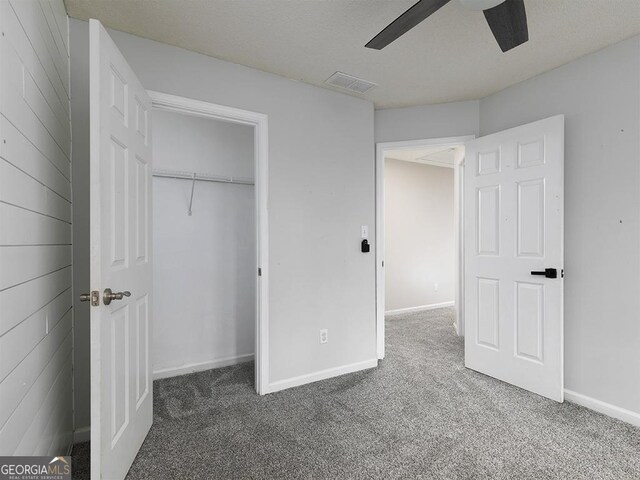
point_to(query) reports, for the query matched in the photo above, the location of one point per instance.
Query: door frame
(381, 149)
(259, 121)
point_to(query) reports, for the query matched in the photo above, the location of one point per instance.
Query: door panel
(531, 218)
(121, 390)
(529, 315)
(489, 220)
(514, 226)
(488, 327)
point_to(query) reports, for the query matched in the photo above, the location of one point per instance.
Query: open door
(513, 210)
(121, 390)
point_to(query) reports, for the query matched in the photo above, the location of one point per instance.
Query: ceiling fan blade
(405, 22)
(508, 22)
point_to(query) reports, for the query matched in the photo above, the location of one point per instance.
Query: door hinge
(259, 272)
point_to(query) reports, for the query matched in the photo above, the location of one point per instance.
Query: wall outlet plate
(324, 335)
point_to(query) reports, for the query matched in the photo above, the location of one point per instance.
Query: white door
(514, 209)
(121, 390)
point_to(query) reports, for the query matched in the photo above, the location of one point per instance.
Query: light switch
(365, 231)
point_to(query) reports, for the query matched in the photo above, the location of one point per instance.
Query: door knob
(547, 272)
(110, 295)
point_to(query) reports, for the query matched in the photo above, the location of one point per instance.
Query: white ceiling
(451, 56)
(437, 156)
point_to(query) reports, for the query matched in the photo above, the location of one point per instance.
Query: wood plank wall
(36, 396)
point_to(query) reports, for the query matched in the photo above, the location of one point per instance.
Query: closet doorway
(209, 237)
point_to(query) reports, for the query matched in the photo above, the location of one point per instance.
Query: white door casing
(260, 123)
(120, 231)
(381, 151)
(514, 208)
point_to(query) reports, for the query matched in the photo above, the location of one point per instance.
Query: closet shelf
(200, 177)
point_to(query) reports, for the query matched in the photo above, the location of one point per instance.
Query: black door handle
(547, 272)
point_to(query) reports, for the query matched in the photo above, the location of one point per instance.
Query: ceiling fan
(506, 18)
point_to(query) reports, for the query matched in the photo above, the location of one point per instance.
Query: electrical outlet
(435, 287)
(324, 335)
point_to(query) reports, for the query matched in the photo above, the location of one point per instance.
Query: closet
(204, 243)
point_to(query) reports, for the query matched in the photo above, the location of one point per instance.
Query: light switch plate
(364, 231)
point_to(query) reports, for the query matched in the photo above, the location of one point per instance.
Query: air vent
(349, 82)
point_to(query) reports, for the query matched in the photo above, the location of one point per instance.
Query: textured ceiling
(451, 56)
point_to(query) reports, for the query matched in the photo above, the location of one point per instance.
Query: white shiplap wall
(36, 407)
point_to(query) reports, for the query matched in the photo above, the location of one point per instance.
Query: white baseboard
(199, 367)
(602, 407)
(81, 435)
(321, 375)
(419, 308)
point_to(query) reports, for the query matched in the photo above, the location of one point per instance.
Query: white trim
(424, 162)
(261, 138)
(201, 366)
(458, 218)
(427, 142)
(381, 148)
(420, 308)
(602, 407)
(321, 375)
(81, 435)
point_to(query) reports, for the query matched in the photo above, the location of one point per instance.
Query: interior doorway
(411, 282)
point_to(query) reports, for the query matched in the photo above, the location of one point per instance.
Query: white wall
(36, 408)
(197, 144)
(419, 234)
(204, 264)
(599, 95)
(427, 121)
(321, 190)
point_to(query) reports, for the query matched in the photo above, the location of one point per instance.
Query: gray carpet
(421, 414)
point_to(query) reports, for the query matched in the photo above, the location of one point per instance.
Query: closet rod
(201, 178)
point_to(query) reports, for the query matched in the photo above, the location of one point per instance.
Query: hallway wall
(419, 234)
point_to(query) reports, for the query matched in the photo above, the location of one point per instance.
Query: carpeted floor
(420, 414)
